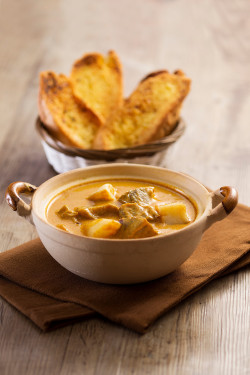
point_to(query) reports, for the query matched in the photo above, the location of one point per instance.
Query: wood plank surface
(209, 40)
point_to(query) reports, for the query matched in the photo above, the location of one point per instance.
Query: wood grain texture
(209, 40)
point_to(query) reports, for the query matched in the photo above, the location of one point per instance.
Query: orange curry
(121, 209)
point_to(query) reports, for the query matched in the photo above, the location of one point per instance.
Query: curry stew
(121, 209)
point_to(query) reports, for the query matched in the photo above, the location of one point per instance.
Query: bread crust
(161, 120)
(95, 78)
(65, 119)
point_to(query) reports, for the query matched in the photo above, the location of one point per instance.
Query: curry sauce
(121, 208)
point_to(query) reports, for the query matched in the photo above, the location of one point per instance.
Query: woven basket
(144, 150)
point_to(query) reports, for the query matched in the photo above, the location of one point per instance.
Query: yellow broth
(77, 196)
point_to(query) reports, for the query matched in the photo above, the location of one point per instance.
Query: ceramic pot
(121, 261)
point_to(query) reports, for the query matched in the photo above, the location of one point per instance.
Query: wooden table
(208, 39)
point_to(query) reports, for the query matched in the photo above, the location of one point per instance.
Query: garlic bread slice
(63, 116)
(152, 110)
(97, 83)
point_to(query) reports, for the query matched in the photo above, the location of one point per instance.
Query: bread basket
(64, 158)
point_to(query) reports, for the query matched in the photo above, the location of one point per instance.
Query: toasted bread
(151, 111)
(64, 117)
(169, 123)
(97, 83)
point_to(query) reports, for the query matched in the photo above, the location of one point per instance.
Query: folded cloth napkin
(33, 282)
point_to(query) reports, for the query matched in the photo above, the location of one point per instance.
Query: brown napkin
(51, 296)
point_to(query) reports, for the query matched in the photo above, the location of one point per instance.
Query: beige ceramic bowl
(121, 261)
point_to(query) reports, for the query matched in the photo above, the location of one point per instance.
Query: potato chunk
(105, 193)
(173, 213)
(100, 228)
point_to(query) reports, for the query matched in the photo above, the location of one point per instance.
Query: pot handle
(224, 201)
(14, 200)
